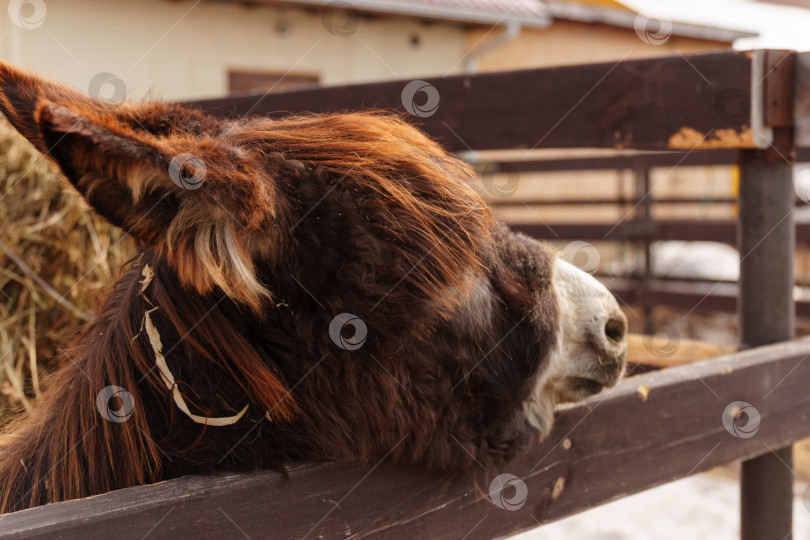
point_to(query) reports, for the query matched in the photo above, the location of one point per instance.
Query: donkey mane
(426, 200)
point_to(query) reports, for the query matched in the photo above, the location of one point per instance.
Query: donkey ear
(141, 184)
(133, 164)
(22, 91)
(113, 167)
(86, 140)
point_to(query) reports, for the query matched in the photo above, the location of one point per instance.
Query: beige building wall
(184, 50)
(570, 42)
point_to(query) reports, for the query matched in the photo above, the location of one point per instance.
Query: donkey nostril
(615, 329)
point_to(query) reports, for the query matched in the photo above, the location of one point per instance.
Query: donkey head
(392, 313)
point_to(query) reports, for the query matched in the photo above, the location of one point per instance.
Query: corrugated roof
(527, 13)
(604, 3)
(617, 14)
(514, 7)
(530, 13)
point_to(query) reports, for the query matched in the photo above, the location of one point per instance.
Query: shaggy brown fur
(296, 221)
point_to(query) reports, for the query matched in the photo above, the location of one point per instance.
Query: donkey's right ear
(138, 166)
(21, 92)
(123, 174)
(71, 128)
(114, 155)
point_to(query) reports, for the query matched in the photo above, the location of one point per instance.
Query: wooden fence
(685, 108)
(671, 427)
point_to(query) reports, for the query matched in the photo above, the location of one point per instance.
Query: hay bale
(57, 263)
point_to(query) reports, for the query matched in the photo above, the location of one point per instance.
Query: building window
(245, 82)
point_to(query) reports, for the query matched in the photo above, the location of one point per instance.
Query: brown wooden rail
(628, 104)
(671, 426)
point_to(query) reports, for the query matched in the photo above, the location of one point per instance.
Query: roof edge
(425, 11)
(627, 19)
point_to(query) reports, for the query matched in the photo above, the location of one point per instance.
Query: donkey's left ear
(142, 167)
(22, 91)
(153, 189)
(113, 167)
(88, 140)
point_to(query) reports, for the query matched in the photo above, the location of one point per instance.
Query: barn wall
(182, 52)
(570, 42)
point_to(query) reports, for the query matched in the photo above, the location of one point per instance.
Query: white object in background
(703, 260)
(702, 507)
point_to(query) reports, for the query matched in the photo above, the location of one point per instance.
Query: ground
(701, 507)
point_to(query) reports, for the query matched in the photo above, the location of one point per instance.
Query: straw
(58, 261)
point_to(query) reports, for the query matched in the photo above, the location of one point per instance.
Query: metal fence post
(766, 238)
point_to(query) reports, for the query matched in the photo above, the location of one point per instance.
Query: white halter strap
(165, 372)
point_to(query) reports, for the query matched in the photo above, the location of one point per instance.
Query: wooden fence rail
(724, 231)
(629, 104)
(672, 426)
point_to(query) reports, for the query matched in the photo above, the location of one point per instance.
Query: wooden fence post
(766, 242)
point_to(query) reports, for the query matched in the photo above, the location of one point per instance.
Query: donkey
(319, 287)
